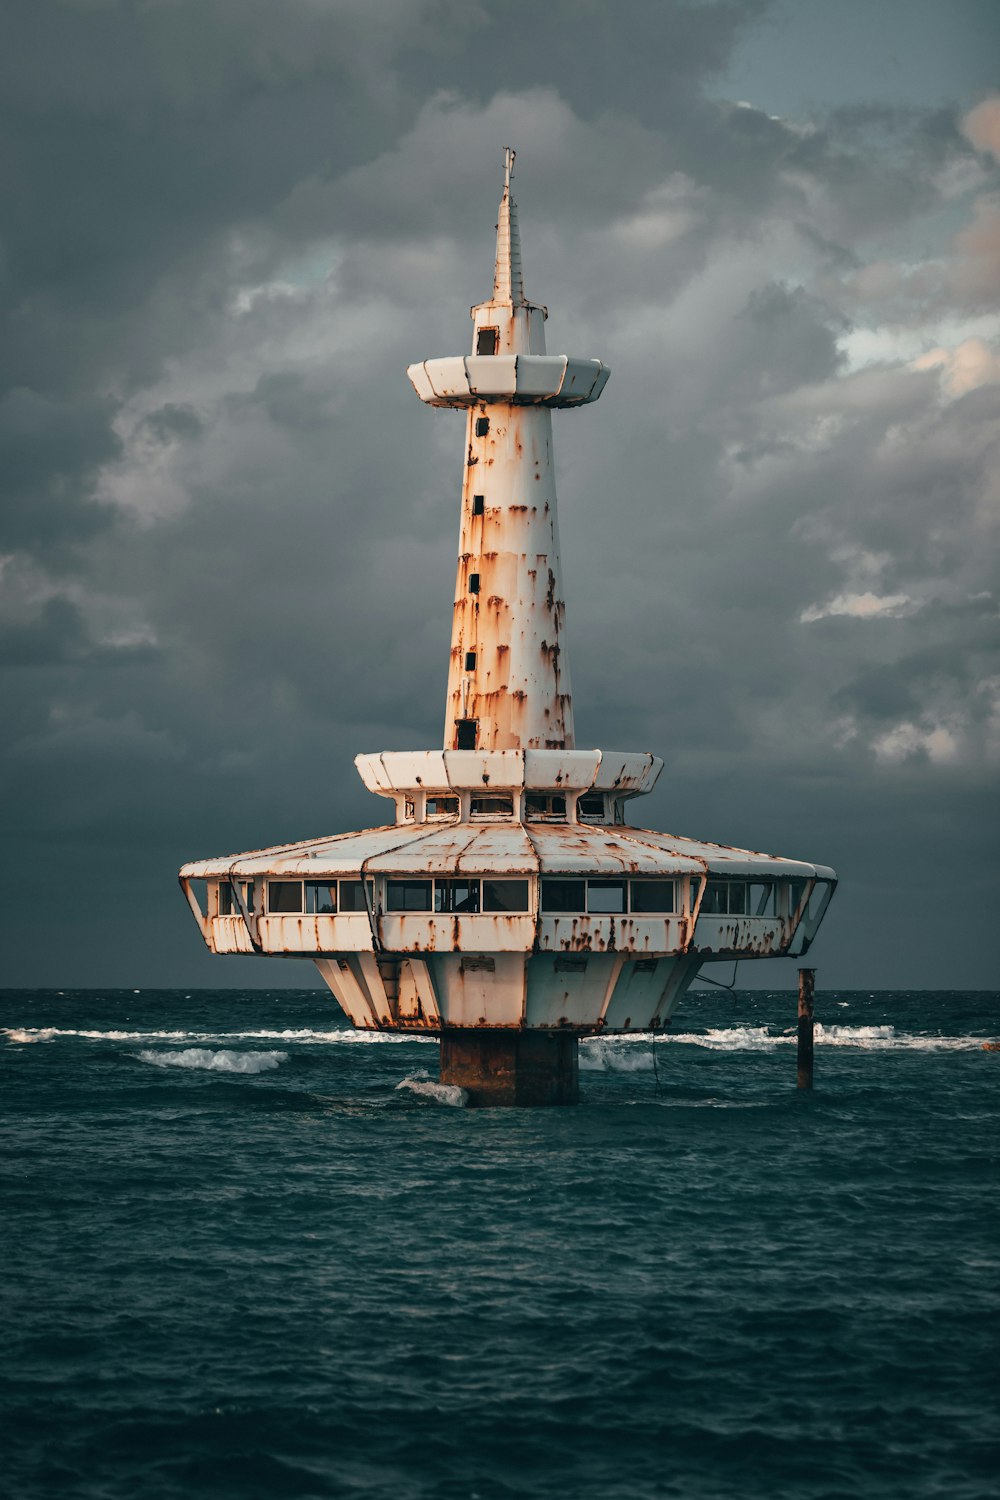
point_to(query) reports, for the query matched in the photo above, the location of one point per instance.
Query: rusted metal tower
(510, 908)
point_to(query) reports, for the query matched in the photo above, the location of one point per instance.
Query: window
(796, 889)
(408, 895)
(487, 340)
(482, 426)
(473, 583)
(442, 807)
(229, 905)
(284, 895)
(352, 895)
(321, 900)
(505, 895)
(725, 897)
(760, 900)
(651, 896)
(465, 734)
(456, 895)
(590, 807)
(409, 808)
(564, 895)
(606, 897)
(470, 661)
(492, 807)
(544, 805)
(478, 504)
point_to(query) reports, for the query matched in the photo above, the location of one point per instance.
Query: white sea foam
(303, 1036)
(221, 1061)
(441, 1093)
(604, 1055)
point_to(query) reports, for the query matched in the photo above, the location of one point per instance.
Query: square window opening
(465, 733)
(487, 340)
(409, 895)
(563, 895)
(442, 807)
(473, 583)
(552, 807)
(284, 895)
(482, 426)
(321, 900)
(470, 661)
(590, 809)
(492, 807)
(456, 896)
(607, 897)
(505, 895)
(351, 895)
(478, 504)
(652, 896)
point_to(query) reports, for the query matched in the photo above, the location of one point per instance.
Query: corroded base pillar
(512, 1067)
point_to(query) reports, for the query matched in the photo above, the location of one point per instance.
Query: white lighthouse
(510, 907)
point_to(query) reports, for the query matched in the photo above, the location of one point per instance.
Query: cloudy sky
(228, 524)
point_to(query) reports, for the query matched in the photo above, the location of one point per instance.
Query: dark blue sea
(249, 1252)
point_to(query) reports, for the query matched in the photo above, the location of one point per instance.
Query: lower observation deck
(494, 919)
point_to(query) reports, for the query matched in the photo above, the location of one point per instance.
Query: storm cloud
(228, 526)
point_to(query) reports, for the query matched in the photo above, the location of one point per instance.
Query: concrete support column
(512, 1067)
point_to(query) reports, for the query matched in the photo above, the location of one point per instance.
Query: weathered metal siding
(509, 610)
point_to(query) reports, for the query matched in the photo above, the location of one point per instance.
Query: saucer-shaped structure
(509, 907)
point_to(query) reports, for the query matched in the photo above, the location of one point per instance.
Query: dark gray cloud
(229, 526)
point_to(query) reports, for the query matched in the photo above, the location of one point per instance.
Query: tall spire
(508, 281)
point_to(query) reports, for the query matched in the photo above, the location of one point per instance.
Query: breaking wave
(301, 1036)
(606, 1053)
(206, 1060)
(440, 1093)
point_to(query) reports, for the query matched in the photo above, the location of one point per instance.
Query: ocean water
(249, 1252)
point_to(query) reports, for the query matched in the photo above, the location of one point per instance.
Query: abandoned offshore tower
(510, 908)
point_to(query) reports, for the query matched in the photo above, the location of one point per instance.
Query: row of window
(541, 806)
(598, 896)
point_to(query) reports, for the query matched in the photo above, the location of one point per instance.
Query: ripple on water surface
(250, 1252)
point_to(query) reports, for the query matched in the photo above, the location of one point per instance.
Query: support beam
(511, 1067)
(807, 986)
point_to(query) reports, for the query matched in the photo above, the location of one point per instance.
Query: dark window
(761, 900)
(715, 903)
(590, 807)
(544, 806)
(456, 895)
(465, 735)
(564, 895)
(492, 807)
(737, 898)
(652, 895)
(482, 426)
(227, 900)
(487, 340)
(409, 808)
(284, 895)
(505, 895)
(442, 807)
(606, 897)
(473, 583)
(470, 661)
(352, 895)
(796, 890)
(321, 900)
(478, 504)
(408, 895)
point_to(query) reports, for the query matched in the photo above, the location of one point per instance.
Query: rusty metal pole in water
(807, 988)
